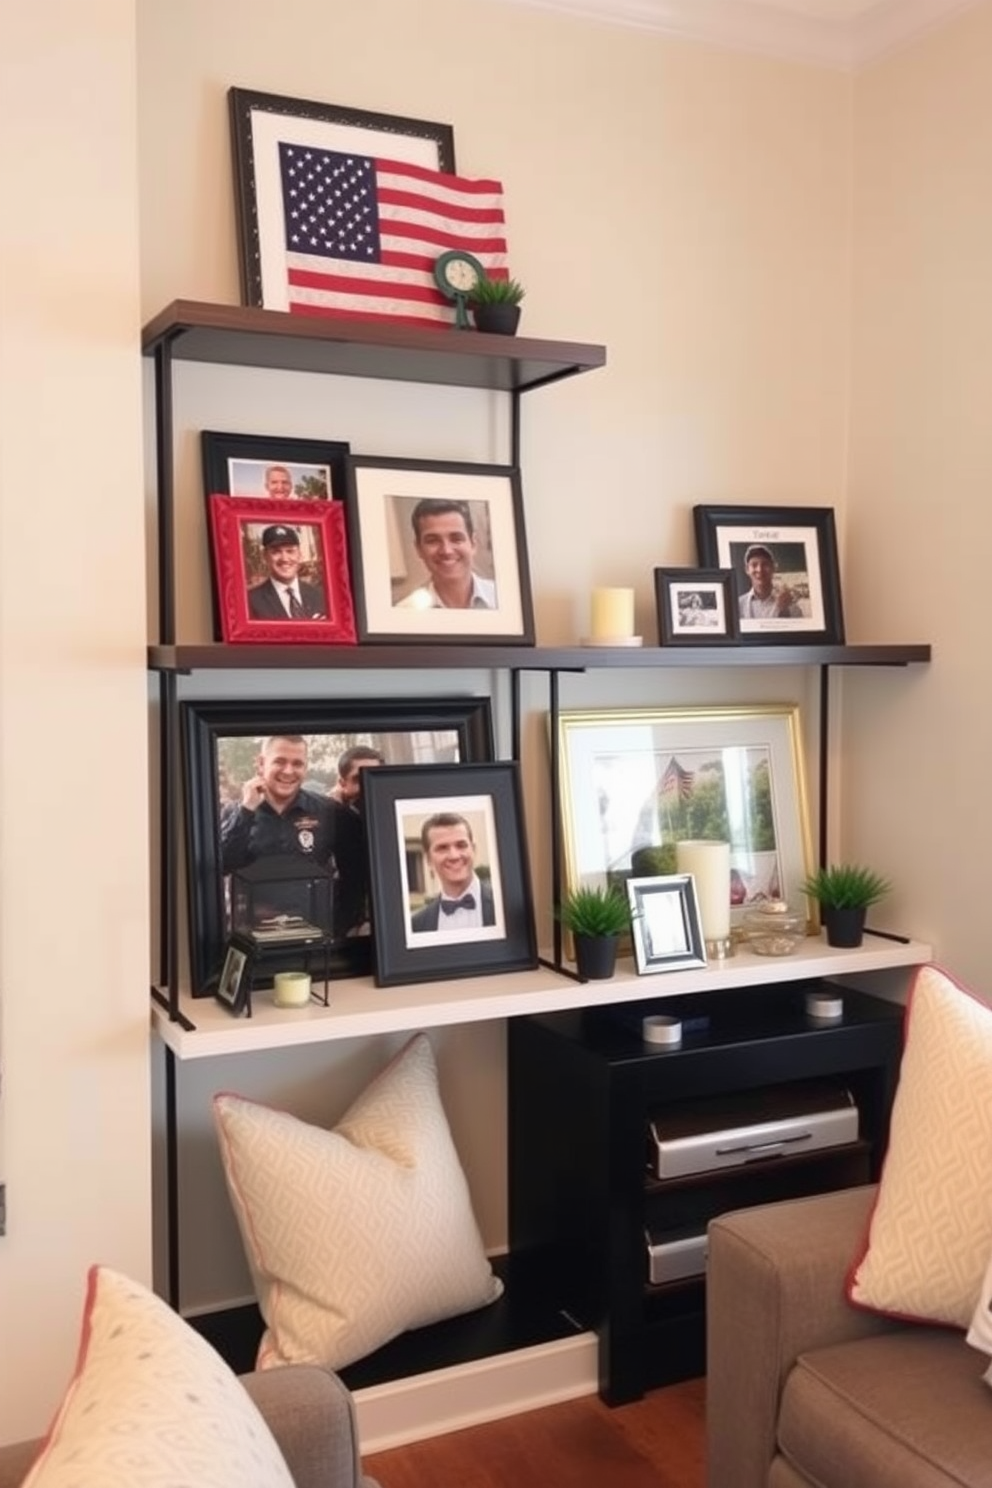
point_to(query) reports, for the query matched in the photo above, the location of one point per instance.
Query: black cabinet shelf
(584, 1085)
(216, 656)
(233, 335)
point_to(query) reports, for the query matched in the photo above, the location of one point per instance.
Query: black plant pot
(502, 318)
(596, 956)
(844, 927)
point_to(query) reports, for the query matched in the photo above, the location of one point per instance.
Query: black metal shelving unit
(236, 336)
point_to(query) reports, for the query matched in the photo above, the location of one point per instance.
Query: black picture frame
(231, 988)
(389, 575)
(258, 119)
(665, 923)
(465, 724)
(802, 544)
(398, 803)
(696, 607)
(316, 466)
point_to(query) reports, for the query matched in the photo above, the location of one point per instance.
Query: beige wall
(74, 1149)
(919, 508)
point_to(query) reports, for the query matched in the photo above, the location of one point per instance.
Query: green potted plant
(597, 917)
(496, 304)
(844, 892)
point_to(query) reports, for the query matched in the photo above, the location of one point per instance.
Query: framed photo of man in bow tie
(450, 893)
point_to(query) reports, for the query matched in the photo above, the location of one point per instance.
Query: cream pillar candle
(709, 864)
(292, 989)
(612, 614)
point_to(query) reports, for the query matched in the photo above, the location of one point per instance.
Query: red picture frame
(248, 602)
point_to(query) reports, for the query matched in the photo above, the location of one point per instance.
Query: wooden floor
(657, 1442)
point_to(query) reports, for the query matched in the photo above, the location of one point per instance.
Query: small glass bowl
(773, 929)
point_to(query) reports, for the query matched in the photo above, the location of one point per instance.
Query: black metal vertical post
(165, 471)
(515, 428)
(824, 760)
(554, 710)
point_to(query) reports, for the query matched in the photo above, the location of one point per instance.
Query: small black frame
(803, 607)
(316, 466)
(400, 804)
(696, 607)
(463, 725)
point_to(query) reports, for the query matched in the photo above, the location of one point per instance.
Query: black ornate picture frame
(793, 597)
(260, 121)
(415, 816)
(221, 739)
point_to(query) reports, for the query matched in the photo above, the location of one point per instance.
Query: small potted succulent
(844, 892)
(597, 917)
(495, 305)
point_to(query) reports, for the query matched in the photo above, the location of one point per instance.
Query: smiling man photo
(447, 545)
(284, 595)
(465, 901)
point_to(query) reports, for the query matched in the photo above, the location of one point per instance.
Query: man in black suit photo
(465, 901)
(284, 595)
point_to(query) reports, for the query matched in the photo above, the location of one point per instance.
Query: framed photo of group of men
(358, 822)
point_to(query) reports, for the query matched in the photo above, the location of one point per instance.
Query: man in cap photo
(284, 595)
(763, 601)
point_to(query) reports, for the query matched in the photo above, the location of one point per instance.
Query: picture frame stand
(249, 954)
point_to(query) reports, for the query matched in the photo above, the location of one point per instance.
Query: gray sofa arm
(774, 1289)
(312, 1417)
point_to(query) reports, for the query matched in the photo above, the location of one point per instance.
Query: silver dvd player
(675, 1259)
(752, 1126)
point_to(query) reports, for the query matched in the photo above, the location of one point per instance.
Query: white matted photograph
(438, 551)
(696, 607)
(450, 871)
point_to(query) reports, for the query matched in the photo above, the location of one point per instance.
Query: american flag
(362, 235)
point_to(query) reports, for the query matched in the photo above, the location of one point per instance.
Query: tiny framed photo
(270, 468)
(785, 567)
(438, 552)
(696, 607)
(664, 916)
(278, 577)
(450, 877)
(309, 273)
(232, 988)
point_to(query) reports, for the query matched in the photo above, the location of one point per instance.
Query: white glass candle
(612, 614)
(709, 864)
(292, 989)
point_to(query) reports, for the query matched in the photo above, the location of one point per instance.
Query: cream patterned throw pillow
(357, 1234)
(930, 1234)
(151, 1405)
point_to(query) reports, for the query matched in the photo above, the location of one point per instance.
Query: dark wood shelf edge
(219, 657)
(249, 336)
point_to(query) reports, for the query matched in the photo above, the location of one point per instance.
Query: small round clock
(456, 273)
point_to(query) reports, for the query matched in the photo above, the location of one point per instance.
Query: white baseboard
(444, 1400)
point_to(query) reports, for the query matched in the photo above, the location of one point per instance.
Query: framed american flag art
(343, 213)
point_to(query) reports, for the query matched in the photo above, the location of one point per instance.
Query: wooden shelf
(216, 656)
(235, 335)
(358, 1008)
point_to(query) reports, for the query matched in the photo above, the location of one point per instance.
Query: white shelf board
(358, 1008)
